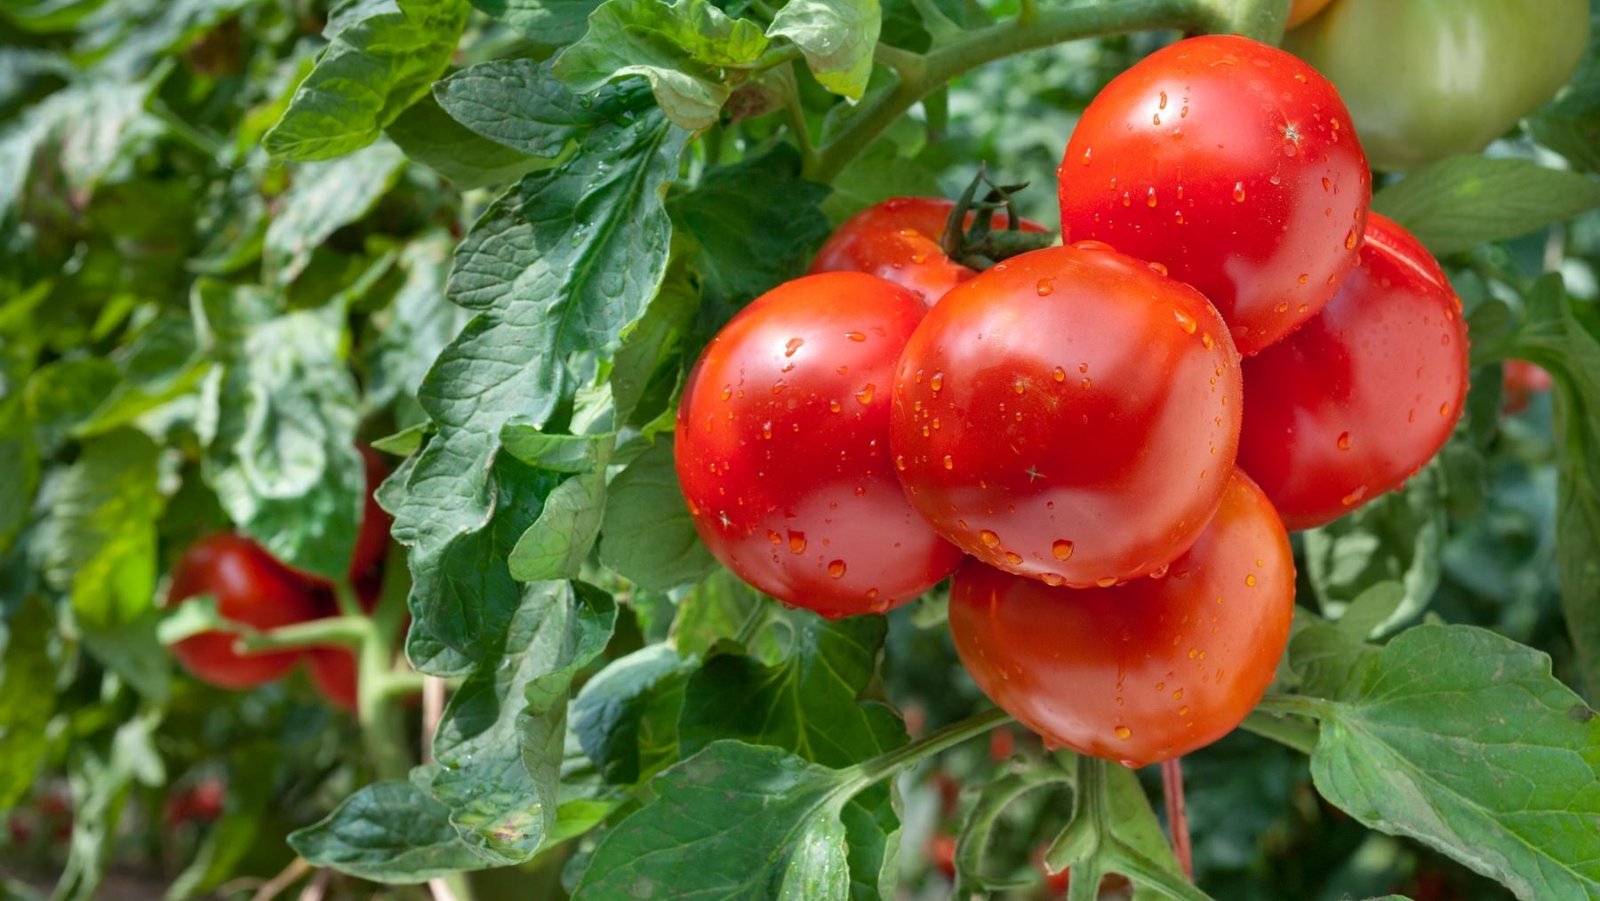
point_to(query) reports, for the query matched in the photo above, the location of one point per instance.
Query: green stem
(797, 119)
(345, 631)
(1300, 705)
(1130, 862)
(1090, 813)
(1291, 732)
(870, 771)
(377, 707)
(344, 595)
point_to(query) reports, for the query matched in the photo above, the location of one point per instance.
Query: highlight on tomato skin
(1233, 164)
(899, 240)
(1071, 415)
(1146, 671)
(782, 443)
(1360, 398)
(250, 587)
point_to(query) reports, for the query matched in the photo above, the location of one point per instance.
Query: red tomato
(898, 240)
(333, 672)
(942, 854)
(1520, 382)
(250, 588)
(782, 448)
(1351, 405)
(1055, 884)
(1146, 671)
(1070, 415)
(1232, 163)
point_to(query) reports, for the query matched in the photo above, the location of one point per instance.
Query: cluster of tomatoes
(253, 588)
(1104, 442)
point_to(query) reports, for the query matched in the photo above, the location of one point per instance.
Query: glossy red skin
(1354, 403)
(1114, 453)
(782, 448)
(898, 240)
(251, 588)
(1234, 165)
(1147, 671)
(333, 672)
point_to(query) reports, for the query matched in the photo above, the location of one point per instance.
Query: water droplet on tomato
(1344, 440)
(1013, 558)
(1185, 321)
(1061, 549)
(1106, 582)
(1238, 192)
(989, 538)
(1123, 732)
(1045, 286)
(797, 542)
(836, 569)
(864, 396)
(1150, 198)
(949, 462)
(1059, 374)
(855, 336)
(792, 346)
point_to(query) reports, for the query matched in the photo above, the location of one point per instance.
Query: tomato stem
(344, 631)
(378, 707)
(1289, 731)
(1177, 815)
(884, 765)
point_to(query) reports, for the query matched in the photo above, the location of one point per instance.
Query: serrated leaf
(720, 607)
(428, 135)
(1461, 739)
(382, 56)
(323, 198)
(549, 22)
(386, 832)
(647, 534)
(741, 822)
(679, 47)
(27, 699)
(837, 38)
(626, 716)
(519, 104)
(555, 546)
(1461, 202)
(555, 452)
(418, 324)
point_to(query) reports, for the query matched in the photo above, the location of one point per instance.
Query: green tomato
(1425, 79)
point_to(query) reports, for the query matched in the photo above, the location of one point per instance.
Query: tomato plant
(1057, 394)
(1235, 166)
(1425, 79)
(1363, 395)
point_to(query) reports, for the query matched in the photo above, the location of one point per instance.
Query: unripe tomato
(898, 240)
(1425, 79)
(1233, 164)
(782, 448)
(1352, 404)
(250, 588)
(1071, 414)
(1146, 671)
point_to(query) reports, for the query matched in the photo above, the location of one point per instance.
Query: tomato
(333, 672)
(1071, 414)
(1055, 884)
(898, 240)
(782, 448)
(200, 803)
(1425, 79)
(1352, 404)
(1147, 671)
(1520, 381)
(1302, 10)
(251, 588)
(1234, 165)
(942, 854)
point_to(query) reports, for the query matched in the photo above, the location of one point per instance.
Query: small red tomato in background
(1055, 884)
(942, 854)
(1147, 671)
(1070, 415)
(251, 588)
(899, 240)
(1520, 381)
(333, 671)
(1233, 164)
(201, 802)
(1351, 405)
(782, 448)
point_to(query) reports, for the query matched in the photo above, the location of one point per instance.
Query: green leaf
(626, 716)
(837, 38)
(1461, 739)
(1570, 125)
(99, 542)
(387, 832)
(1461, 202)
(558, 266)
(323, 198)
(418, 324)
(519, 104)
(101, 773)
(741, 822)
(161, 364)
(721, 607)
(75, 139)
(647, 534)
(679, 47)
(981, 819)
(755, 224)
(278, 420)
(19, 455)
(555, 546)
(382, 56)
(649, 357)
(428, 135)
(876, 175)
(557, 453)
(499, 745)
(236, 834)
(27, 699)
(61, 395)
(548, 22)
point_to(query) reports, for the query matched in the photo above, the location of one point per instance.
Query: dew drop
(989, 538)
(1123, 732)
(1250, 580)
(1051, 579)
(1158, 269)
(833, 405)
(727, 392)
(855, 336)
(1087, 152)
(864, 396)
(1205, 339)
(1045, 286)
(766, 429)
(936, 382)
(900, 462)
(793, 345)
(1350, 239)
(1059, 374)
(1150, 198)
(949, 462)
(1013, 558)
(797, 542)
(1238, 192)
(1061, 549)
(1344, 440)
(1185, 321)
(836, 569)
(1106, 582)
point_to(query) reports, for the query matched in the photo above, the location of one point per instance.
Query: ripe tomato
(1055, 884)
(782, 448)
(1520, 381)
(898, 240)
(1071, 414)
(250, 588)
(1426, 79)
(1351, 405)
(942, 854)
(1301, 10)
(1233, 164)
(1146, 671)
(333, 672)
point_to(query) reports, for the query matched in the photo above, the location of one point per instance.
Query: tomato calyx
(980, 245)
